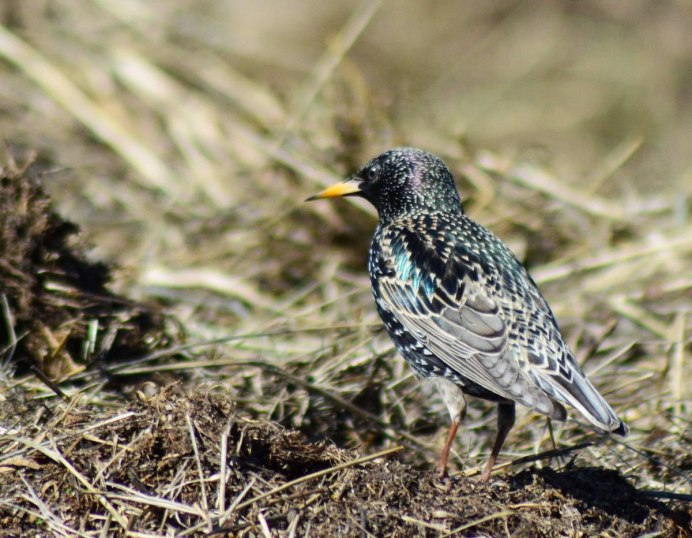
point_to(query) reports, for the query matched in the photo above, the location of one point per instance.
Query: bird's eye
(372, 172)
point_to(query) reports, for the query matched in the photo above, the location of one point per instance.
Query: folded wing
(489, 324)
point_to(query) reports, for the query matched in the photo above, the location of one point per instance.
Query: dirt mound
(193, 465)
(59, 315)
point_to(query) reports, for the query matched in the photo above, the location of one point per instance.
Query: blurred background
(184, 135)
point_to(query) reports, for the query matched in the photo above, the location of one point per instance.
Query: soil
(167, 450)
(191, 463)
(54, 293)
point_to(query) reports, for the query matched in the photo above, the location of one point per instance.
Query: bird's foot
(485, 476)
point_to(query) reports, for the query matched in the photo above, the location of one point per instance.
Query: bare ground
(192, 464)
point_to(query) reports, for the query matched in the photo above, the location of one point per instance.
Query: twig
(478, 522)
(48, 382)
(200, 471)
(238, 499)
(9, 328)
(223, 469)
(264, 526)
(425, 524)
(151, 500)
(665, 495)
(678, 366)
(547, 454)
(553, 453)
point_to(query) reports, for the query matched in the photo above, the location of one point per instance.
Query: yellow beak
(336, 191)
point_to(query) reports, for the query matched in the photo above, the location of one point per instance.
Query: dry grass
(183, 137)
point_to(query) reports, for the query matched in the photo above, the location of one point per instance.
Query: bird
(459, 305)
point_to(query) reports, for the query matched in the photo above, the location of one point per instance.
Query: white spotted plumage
(460, 307)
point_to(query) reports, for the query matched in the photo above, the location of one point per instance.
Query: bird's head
(399, 182)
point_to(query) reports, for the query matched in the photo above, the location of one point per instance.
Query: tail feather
(582, 395)
(622, 429)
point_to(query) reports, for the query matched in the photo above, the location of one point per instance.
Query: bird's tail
(582, 395)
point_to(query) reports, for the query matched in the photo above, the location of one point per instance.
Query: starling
(459, 305)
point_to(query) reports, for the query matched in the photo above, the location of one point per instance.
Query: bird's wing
(441, 295)
(436, 295)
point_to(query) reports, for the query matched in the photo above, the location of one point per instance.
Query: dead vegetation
(59, 314)
(183, 137)
(194, 466)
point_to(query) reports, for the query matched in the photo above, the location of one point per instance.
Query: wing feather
(438, 294)
(437, 300)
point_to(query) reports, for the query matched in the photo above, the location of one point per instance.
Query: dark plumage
(458, 304)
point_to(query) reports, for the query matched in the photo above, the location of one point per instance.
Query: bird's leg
(505, 421)
(456, 420)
